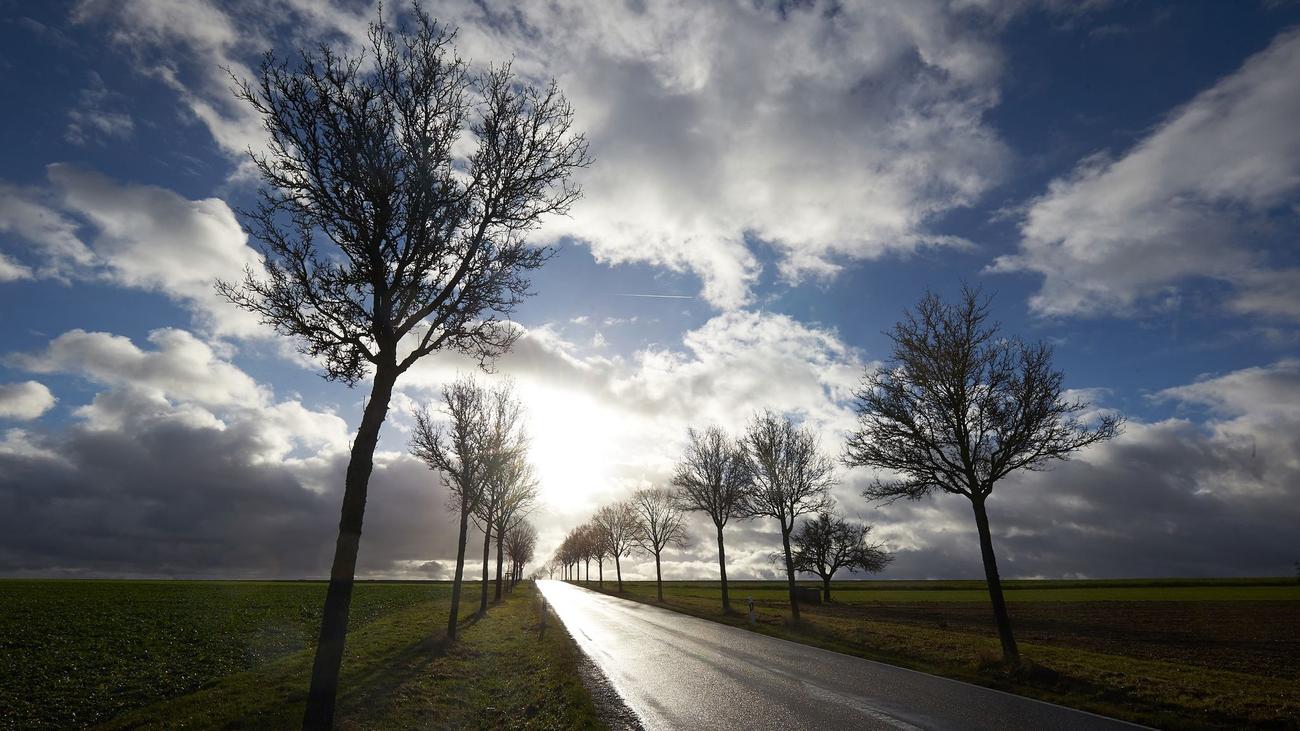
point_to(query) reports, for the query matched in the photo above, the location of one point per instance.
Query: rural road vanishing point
(679, 672)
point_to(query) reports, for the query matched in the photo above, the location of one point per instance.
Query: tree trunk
(459, 577)
(722, 570)
(789, 574)
(588, 563)
(487, 545)
(600, 572)
(618, 569)
(338, 597)
(1010, 653)
(500, 543)
(659, 579)
(826, 589)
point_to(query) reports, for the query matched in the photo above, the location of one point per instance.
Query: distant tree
(659, 524)
(959, 407)
(599, 549)
(571, 553)
(618, 528)
(712, 478)
(789, 477)
(455, 449)
(383, 243)
(827, 543)
(520, 543)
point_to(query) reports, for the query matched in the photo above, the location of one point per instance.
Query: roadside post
(750, 603)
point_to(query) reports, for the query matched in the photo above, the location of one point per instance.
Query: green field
(1171, 653)
(162, 654)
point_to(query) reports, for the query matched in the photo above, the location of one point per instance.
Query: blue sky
(1122, 175)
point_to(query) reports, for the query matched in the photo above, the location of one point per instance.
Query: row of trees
(958, 408)
(650, 521)
(775, 471)
(481, 451)
(385, 239)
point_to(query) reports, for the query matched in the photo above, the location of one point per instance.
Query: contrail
(655, 296)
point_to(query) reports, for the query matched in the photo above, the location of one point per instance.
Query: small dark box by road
(808, 595)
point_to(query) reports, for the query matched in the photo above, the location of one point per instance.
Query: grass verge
(399, 670)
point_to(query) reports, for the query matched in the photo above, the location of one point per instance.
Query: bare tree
(599, 549)
(382, 244)
(516, 502)
(618, 527)
(454, 448)
(712, 478)
(959, 407)
(659, 524)
(789, 477)
(521, 541)
(503, 452)
(829, 542)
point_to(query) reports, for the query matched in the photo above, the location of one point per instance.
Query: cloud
(94, 118)
(184, 466)
(182, 366)
(1210, 194)
(12, 271)
(24, 401)
(1213, 496)
(602, 427)
(159, 475)
(27, 214)
(143, 237)
(182, 379)
(827, 133)
(169, 498)
(1170, 498)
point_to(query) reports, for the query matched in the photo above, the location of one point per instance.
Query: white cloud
(24, 401)
(829, 133)
(26, 213)
(98, 115)
(12, 271)
(1188, 202)
(181, 367)
(182, 380)
(142, 236)
(602, 427)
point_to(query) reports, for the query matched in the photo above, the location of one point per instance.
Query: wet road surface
(680, 672)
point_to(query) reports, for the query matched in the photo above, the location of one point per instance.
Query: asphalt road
(680, 672)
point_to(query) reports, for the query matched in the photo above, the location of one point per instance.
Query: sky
(785, 178)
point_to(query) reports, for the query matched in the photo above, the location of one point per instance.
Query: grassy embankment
(179, 654)
(1179, 654)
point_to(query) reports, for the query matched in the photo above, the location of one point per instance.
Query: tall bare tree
(828, 542)
(618, 527)
(659, 524)
(516, 502)
(504, 450)
(789, 477)
(961, 406)
(381, 244)
(455, 449)
(712, 478)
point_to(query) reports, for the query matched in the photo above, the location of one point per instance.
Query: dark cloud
(174, 499)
